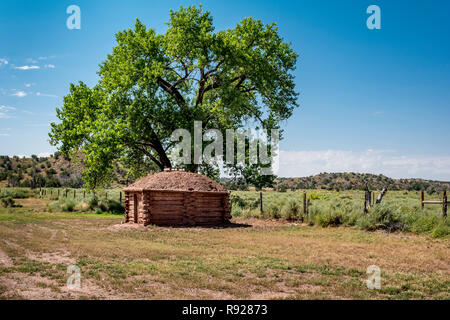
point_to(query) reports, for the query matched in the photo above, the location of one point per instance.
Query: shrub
(442, 229)
(236, 200)
(291, 210)
(236, 210)
(8, 202)
(381, 217)
(115, 207)
(93, 202)
(425, 223)
(68, 206)
(272, 210)
(102, 206)
(329, 219)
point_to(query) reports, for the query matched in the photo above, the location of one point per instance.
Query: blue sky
(370, 100)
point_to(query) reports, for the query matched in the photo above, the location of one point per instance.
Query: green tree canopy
(152, 84)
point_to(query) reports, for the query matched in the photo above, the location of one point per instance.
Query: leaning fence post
(444, 204)
(422, 199)
(260, 202)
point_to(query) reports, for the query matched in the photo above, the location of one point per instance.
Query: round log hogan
(177, 198)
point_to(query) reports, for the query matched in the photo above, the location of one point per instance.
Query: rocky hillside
(357, 181)
(53, 171)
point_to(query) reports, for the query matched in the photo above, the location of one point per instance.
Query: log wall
(178, 208)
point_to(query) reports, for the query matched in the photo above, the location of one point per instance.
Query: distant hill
(357, 181)
(57, 171)
(53, 171)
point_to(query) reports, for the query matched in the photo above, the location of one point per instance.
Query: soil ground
(250, 259)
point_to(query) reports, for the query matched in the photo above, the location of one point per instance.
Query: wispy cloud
(5, 112)
(46, 58)
(7, 108)
(19, 94)
(39, 94)
(387, 162)
(37, 125)
(5, 135)
(49, 66)
(27, 67)
(29, 84)
(3, 61)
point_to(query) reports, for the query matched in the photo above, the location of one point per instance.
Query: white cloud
(29, 84)
(4, 135)
(3, 61)
(46, 95)
(7, 108)
(49, 66)
(44, 154)
(45, 58)
(27, 67)
(4, 113)
(387, 162)
(19, 94)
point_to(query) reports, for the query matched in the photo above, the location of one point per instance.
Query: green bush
(8, 202)
(381, 217)
(291, 210)
(329, 219)
(425, 223)
(93, 202)
(68, 206)
(115, 207)
(236, 200)
(442, 229)
(273, 211)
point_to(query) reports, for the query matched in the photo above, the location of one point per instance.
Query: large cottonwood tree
(152, 84)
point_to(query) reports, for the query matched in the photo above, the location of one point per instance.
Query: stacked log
(178, 208)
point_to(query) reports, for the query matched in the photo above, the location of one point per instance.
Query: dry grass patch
(252, 259)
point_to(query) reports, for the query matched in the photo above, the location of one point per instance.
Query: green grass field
(257, 257)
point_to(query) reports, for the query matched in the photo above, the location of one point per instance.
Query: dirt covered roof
(176, 181)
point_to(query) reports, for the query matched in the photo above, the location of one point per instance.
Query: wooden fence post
(120, 197)
(260, 202)
(84, 193)
(422, 199)
(74, 193)
(58, 193)
(444, 204)
(305, 206)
